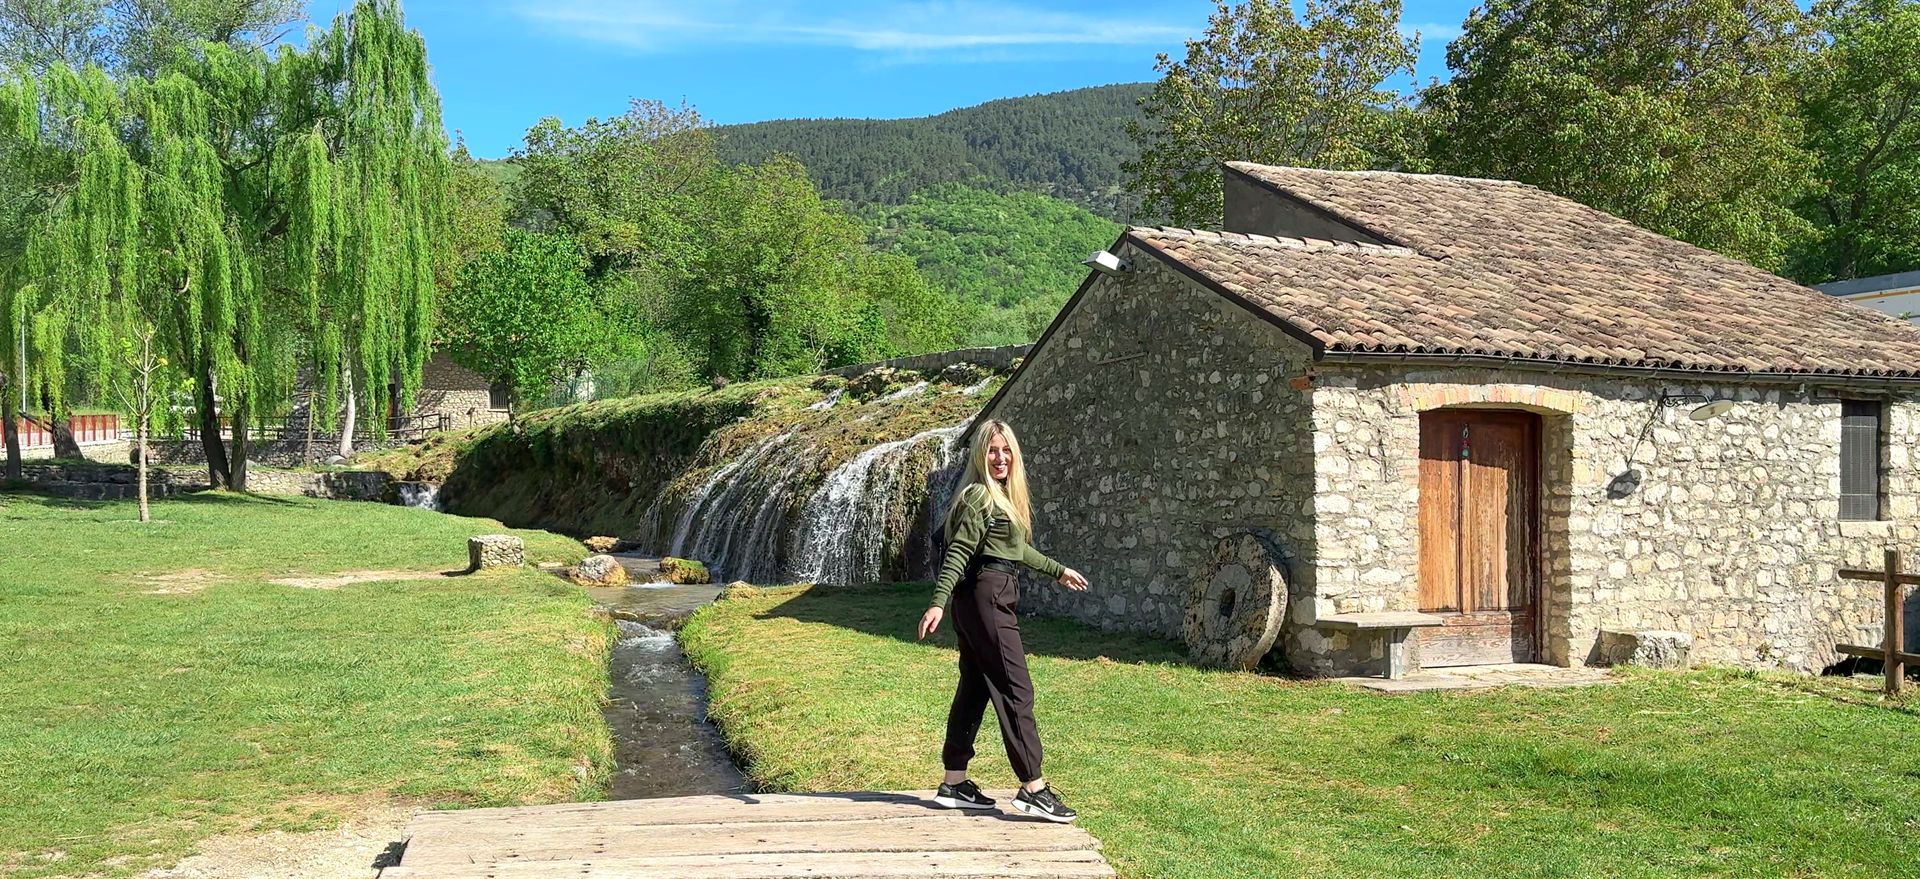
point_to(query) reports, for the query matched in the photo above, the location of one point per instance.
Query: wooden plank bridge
(866, 835)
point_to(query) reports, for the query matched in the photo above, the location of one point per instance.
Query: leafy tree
(741, 272)
(1860, 106)
(628, 188)
(258, 210)
(479, 203)
(526, 315)
(1263, 85)
(134, 36)
(1677, 116)
(1009, 260)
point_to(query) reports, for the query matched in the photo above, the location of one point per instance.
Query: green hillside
(1011, 259)
(1066, 144)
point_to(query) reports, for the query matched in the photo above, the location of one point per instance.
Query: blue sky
(501, 65)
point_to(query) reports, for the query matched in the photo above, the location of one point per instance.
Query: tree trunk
(64, 445)
(237, 470)
(10, 417)
(313, 400)
(210, 442)
(140, 447)
(353, 409)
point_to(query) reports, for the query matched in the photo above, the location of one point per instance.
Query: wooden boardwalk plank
(704, 809)
(752, 837)
(861, 835)
(873, 865)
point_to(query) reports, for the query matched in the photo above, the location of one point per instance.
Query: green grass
(1190, 773)
(143, 709)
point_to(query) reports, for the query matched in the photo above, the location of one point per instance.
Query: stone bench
(1651, 648)
(1393, 625)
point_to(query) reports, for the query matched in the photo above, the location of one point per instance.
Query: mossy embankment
(628, 467)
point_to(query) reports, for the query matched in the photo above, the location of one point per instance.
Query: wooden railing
(406, 428)
(37, 433)
(1893, 637)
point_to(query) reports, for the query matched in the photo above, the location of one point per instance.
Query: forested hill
(1066, 144)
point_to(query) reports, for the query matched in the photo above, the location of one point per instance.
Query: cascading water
(424, 495)
(757, 518)
(844, 533)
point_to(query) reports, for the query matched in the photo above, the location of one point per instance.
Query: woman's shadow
(892, 610)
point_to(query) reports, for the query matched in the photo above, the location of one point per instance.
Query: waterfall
(903, 393)
(826, 402)
(424, 495)
(843, 534)
(690, 514)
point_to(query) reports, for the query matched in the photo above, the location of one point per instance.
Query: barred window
(499, 395)
(1860, 459)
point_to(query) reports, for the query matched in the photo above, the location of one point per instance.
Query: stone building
(464, 397)
(1463, 406)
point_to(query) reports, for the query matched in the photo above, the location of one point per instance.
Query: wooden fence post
(1894, 641)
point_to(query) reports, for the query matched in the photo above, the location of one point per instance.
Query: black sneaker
(965, 795)
(1044, 803)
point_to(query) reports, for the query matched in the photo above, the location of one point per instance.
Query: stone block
(495, 551)
(1651, 648)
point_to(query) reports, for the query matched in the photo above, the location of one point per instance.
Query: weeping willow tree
(262, 214)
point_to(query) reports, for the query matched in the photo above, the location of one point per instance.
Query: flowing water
(756, 517)
(657, 703)
(424, 495)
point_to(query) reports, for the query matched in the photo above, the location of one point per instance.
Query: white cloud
(1431, 32)
(899, 29)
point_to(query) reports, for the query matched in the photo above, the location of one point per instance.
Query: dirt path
(346, 852)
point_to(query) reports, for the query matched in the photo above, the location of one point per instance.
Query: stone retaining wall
(1000, 358)
(99, 481)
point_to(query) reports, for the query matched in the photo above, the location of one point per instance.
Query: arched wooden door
(1479, 535)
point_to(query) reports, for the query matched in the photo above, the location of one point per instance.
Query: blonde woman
(988, 529)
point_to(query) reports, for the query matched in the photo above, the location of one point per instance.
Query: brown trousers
(993, 667)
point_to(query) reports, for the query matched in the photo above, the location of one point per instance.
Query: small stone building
(464, 397)
(1468, 402)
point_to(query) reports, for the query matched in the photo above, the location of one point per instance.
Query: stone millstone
(495, 551)
(600, 570)
(1235, 604)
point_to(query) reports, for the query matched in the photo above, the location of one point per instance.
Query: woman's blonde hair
(1010, 498)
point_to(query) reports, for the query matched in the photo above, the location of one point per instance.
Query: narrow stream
(664, 745)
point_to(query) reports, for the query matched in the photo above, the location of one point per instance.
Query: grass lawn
(158, 689)
(1189, 773)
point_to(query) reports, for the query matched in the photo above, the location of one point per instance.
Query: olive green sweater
(977, 530)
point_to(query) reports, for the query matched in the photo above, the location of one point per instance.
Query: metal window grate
(1860, 459)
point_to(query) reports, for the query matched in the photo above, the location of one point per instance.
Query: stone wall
(1157, 418)
(99, 481)
(339, 485)
(992, 358)
(1732, 536)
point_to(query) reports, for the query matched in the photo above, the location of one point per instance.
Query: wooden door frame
(1534, 564)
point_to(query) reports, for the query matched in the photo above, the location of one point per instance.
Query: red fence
(36, 433)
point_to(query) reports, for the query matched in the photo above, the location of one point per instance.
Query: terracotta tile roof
(1502, 269)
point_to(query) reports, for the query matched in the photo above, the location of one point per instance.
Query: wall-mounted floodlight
(1107, 264)
(1709, 411)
